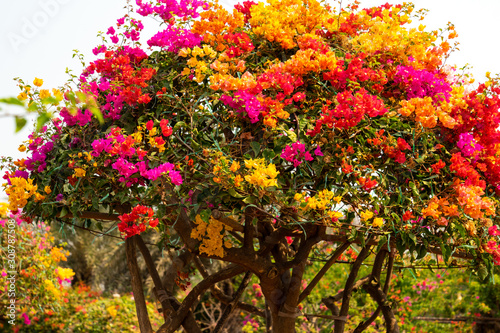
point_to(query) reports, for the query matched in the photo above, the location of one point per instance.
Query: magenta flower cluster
(133, 32)
(173, 39)
(493, 231)
(245, 104)
(420, 83)
(81, 118)
(468, 145)
(167, 9)
(127, 169)
(296, 153)
(122, 147)
(40, 150)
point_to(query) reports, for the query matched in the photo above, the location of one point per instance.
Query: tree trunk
(283, 322)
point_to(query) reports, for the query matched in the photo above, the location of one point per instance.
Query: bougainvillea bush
(262, 135)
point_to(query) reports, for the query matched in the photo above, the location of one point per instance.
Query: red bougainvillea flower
(137, 221)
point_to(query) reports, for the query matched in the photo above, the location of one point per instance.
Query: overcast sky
(37, 39)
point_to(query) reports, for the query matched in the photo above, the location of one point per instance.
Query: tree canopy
(261, 136)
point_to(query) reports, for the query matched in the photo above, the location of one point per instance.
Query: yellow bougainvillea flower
(378, 222)
(79, 172)
(44, 93)
(4, 209)
(112, 311)
(235, 166)
(64, 273)
(22, 96)
(366, 215)
(335, 215)
(237, 180)
(19, 191)
(37, 82)
(49, 286)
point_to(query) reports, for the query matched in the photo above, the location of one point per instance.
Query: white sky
(37, 39)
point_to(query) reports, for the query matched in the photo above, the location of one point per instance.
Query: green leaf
(256, 147)
(42, 119)
(431, 177)
(11, 101)
(81, 96)
(97, 113)
(20, 123)
(71, 96)
(179, 124)
(33, 107)
(235, 194)
(421, 250)
(205, 215)
(268, 154)
(95, 202)
(352, 235)
(413, 238)
(99, 226)
(64, 212)
(482, 272)
(446, 251)
(50, 100)
(249, 200)
(400, 246)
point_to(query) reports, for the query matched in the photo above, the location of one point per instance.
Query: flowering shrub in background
(45, 299)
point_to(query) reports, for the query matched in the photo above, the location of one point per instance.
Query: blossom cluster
(351, 108)
(367, 215)
(260, 174)
(420, 83)
(425, 112)
(394, 148)
(211, 235)
(392, 125)
(129, 152)
(173, 39)
(19, 191)
(121, 80)
(137, 221)
(468, 145)
(245, 104)
(296, 153)
(226, 173)
(324, 201)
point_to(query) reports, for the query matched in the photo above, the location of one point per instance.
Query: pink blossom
(27, 320)
(245, 104)
(494, 231)
(318, 151)
(296, 153)
(422, 83)
(99, 49)
(173, 39)
(468, 145)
